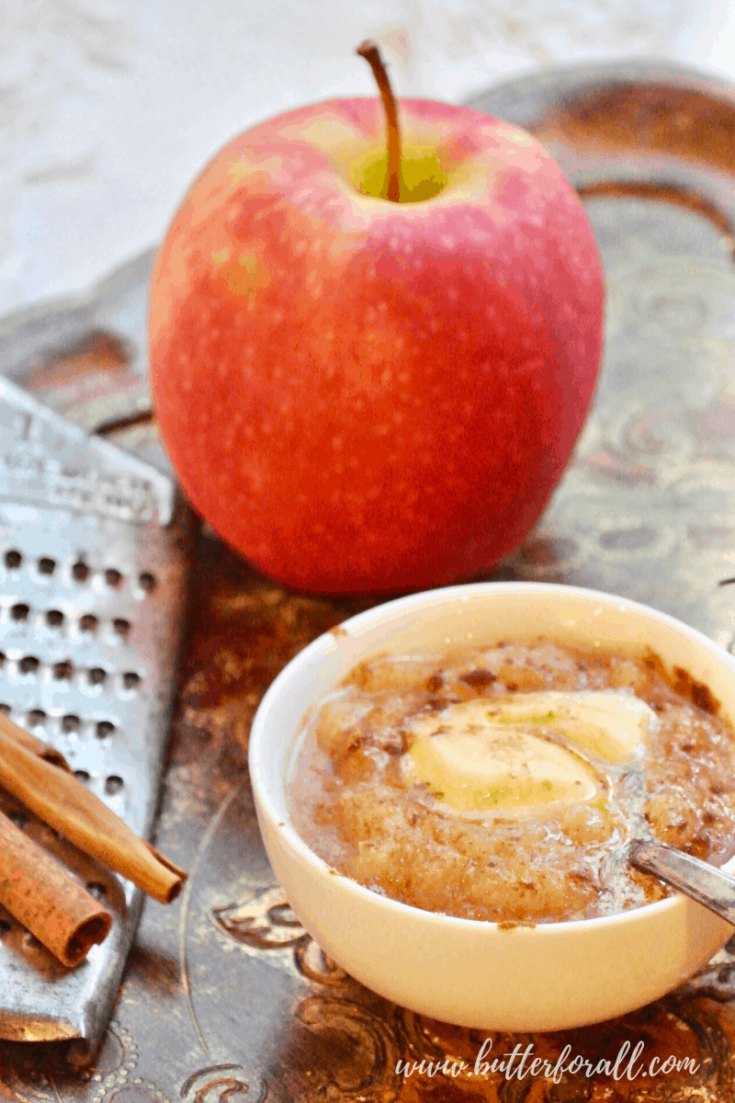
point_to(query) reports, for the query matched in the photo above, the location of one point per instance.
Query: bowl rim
(441, 596)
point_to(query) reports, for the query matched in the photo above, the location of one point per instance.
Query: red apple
(363, 395)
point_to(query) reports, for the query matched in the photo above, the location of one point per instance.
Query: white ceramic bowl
(550, 977)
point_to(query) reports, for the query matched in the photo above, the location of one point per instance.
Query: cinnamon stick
(62, 801)
(33, 743)
(48, 901)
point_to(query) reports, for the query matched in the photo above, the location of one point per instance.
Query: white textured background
(109, 107)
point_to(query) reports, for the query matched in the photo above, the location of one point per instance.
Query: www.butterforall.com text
(629, 1064)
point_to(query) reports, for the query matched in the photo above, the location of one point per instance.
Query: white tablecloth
(108, 108)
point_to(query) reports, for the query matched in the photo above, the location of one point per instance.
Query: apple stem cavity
(369, 50)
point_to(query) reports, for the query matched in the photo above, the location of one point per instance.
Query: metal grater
(92, 594)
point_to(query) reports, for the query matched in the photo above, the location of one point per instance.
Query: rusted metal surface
(225, 994)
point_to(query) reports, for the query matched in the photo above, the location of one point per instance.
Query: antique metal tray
(224, 993)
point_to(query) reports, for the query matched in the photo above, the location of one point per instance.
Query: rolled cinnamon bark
(62, 801)
(33, 743)
(48, 901)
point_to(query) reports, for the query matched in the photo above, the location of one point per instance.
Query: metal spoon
(706, 884)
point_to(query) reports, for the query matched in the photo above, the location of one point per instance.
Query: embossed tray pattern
(225, 995)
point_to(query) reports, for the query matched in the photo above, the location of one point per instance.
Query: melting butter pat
(511, 754)
(613, 726)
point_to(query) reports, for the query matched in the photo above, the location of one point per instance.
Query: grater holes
(147, 582)
(63, 671)
(36, 717)
(89, 623)
(131, 680)
(20, 611)
(13, 560)
(19, 817)
(54, 618)
(97, 676)
(113, 785)
(121, 627)
(113, 578)
(80, 571)
(70, 723)
(82, 775)
(104, 728)
(29, 664)
(46, 565)
(96, 889)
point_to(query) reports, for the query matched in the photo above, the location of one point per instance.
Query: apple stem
(369, 50)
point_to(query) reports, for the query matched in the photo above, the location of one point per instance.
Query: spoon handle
(706, 884)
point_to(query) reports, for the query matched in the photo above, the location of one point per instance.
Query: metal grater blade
(92, 594)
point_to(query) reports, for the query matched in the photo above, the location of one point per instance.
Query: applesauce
(504, 783)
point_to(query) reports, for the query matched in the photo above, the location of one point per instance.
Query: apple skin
(366, 396)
